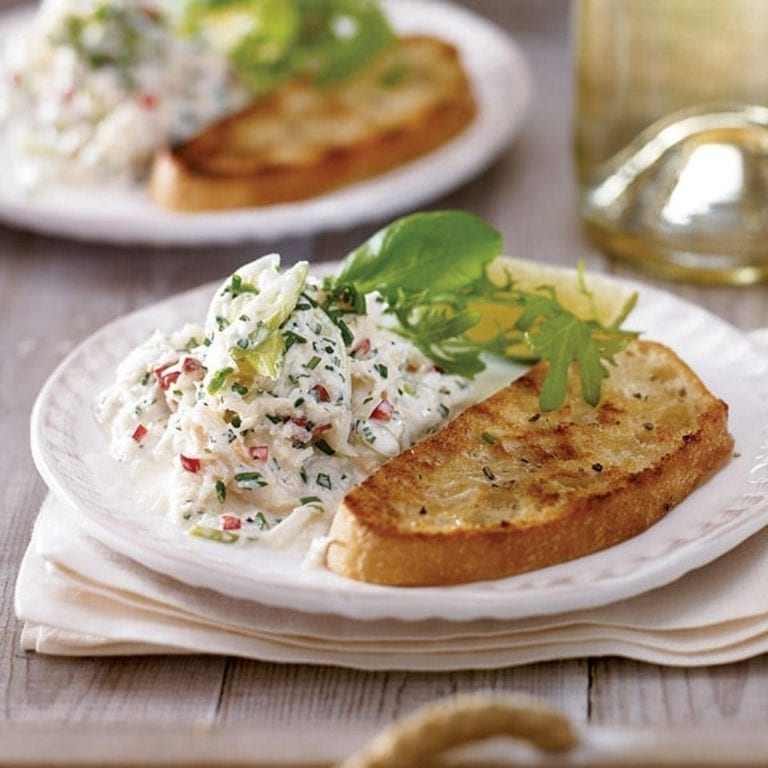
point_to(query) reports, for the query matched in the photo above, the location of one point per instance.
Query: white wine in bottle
(671, 134)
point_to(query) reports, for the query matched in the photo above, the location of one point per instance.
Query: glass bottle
(671, 134)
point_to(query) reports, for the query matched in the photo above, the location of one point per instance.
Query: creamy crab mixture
(94, 87)
(262, 418)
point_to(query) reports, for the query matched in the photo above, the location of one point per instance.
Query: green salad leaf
(268, 41)
(431, 270)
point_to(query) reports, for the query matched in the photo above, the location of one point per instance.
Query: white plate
(499, 76)
(70, 453)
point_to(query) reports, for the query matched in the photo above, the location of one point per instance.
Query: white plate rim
(500, 78)
(709, 523)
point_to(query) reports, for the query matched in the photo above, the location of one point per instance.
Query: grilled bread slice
(505, 488)
(304, 140)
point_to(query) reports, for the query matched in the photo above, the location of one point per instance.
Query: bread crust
(562, 513)
(303, 141)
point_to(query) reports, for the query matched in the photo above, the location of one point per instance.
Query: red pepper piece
(191, 365)
(191, 465)
(148, 100)
(383, 411)
(230, 523)
(166, 379)
(139, 433)
(321, 393)
(259, 452)
(362, 349)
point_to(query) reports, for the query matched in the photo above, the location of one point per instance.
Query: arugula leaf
(431, 269)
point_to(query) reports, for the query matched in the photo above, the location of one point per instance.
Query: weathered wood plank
(283, 695)
(630, 693)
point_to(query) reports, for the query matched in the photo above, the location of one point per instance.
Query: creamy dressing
(261, 419)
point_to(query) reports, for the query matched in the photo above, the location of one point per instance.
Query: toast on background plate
(506, 488)
(304, 140)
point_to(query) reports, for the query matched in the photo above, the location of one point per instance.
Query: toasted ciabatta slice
(505, 488)
(304, 140)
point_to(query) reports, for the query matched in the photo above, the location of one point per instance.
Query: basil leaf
(442, 251)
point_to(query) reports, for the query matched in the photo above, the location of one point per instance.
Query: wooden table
(53, 293)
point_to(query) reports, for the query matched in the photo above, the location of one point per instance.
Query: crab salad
(260, 420)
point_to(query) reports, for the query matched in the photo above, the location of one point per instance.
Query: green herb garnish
(290, 338)
(431, 269)
(261, 521)
(218, 379)
(250, 480)
(323, 446)
(214, 534)
(238, 286)
(268, 41)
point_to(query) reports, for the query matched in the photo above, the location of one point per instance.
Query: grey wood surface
(53, 293)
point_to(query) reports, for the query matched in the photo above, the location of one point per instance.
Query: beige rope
(463, 719)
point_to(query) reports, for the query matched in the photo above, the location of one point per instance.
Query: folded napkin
(77, 597)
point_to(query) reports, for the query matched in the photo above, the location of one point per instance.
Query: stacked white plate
(104, 576)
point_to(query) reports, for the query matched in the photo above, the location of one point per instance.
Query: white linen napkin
(77, 597)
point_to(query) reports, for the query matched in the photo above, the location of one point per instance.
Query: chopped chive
(250, 480)
(218, 379)
(275, 419)
(221, 491)
(313, 363)
(221, 322)
(237, 286)
(489, 438)
(346, 335)
(290, 338)
(444, 410)
(145, 379)
(213, 534)
(382, 370)
(261, 521)
(239, 388)
(324, 481)
(321, 445)
(310, 500)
